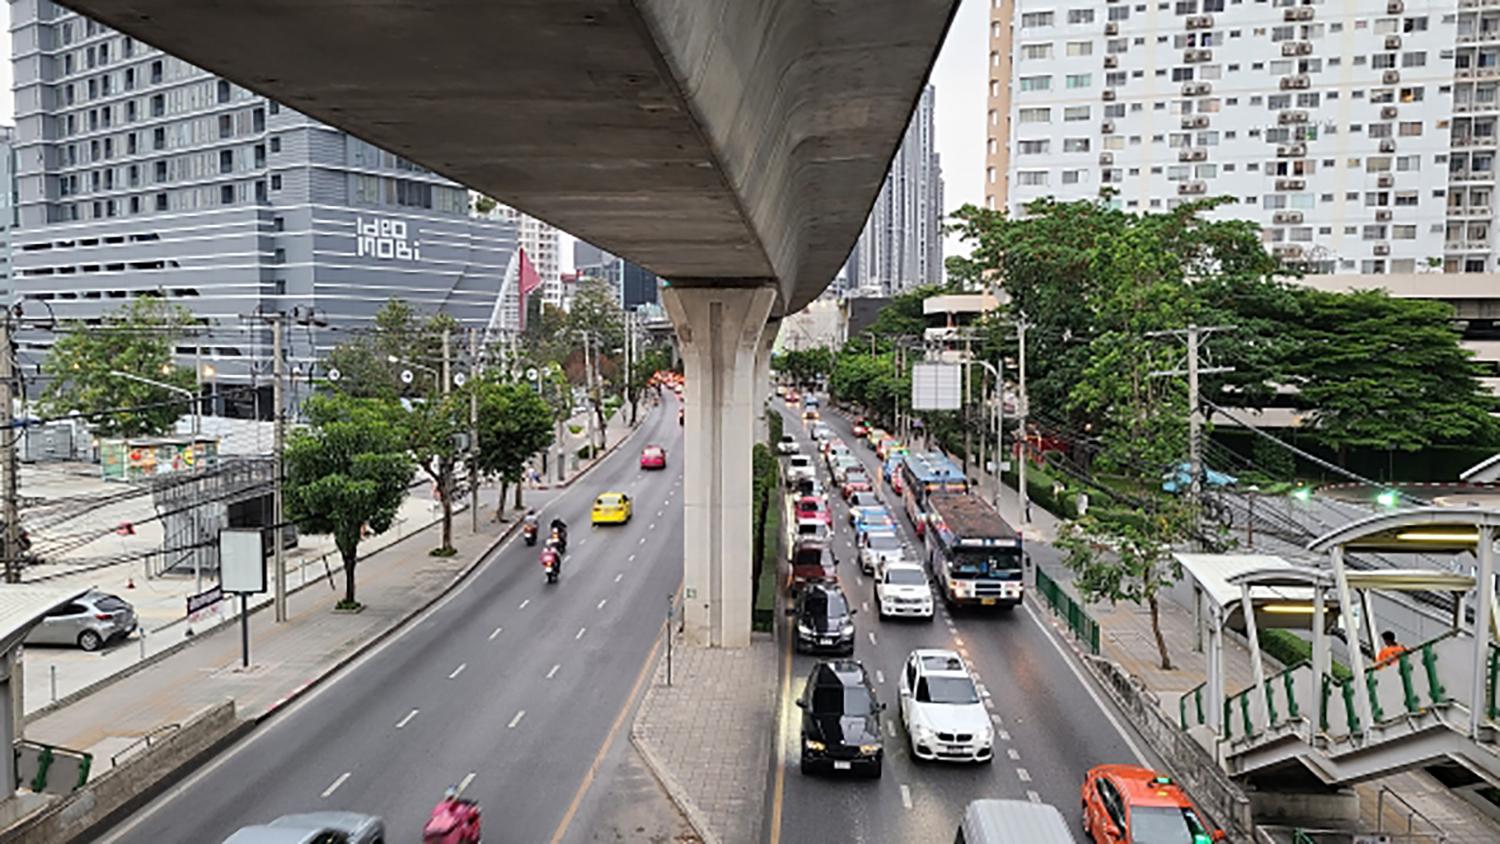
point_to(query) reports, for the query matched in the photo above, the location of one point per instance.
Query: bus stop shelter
(21, 607)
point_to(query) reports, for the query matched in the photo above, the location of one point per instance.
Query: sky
(959, 76)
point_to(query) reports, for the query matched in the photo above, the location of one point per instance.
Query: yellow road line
(779, 789)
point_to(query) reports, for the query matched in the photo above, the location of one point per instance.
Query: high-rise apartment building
(542, 243)
(901, 245)
(140, 174)
(7, 207)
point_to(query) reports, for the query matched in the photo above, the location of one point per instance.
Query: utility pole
(278, 427)
(1195, 335)
(588, 380)
(447, 360)
(198, 396)
(1022, 411)
(473, 383)
(12, 481)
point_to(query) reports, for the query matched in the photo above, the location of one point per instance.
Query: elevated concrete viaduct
(731, 146)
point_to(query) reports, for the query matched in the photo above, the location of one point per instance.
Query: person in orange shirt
(1392, 649)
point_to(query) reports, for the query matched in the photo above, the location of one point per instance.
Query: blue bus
(924, 475)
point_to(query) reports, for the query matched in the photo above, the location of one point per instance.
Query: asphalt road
(511, 684)
(1051, 725)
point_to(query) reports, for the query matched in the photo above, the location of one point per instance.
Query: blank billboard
(936, 386)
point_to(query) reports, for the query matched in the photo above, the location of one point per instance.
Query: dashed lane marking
(459, 670)
(523, 604)
(1024, 774)
(879, 676)
(618, 576)
(602, 602)
(906, 795)
(553, 672)
(496, 633)
(463, 784)
(631, 559)
(516, 720)
(581, 631)
(872, 637)
(407, 720)
(1004, 735)
(1014, 754)
(1033, 796)
(328, 792)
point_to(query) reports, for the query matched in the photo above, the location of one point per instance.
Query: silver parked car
(88, 622)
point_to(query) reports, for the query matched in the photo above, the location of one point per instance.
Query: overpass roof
(1416, 530)
(1217, 575)
(21, 607)
(710, 141)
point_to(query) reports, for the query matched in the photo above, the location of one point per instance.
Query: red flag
(529, 280)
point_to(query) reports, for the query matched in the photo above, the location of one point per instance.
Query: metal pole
(12, 479)
(447, 361)
(278, 427)
(1484, 591)
(1021, 414)
(473, 384)
(1195, 426)
(999, 429)
(198, 394)
(1319, 652)
(244, 630)
(670, 611)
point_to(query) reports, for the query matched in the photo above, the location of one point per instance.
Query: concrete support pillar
(11, 719)
(1484, 595)
(1216, 673)
(763, 376)
(1362, 708)
(1260, 699)
(720, 330)
(1321, 656)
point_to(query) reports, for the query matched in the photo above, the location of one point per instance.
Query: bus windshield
(984, 562)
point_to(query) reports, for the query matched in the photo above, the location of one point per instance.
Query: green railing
(1195, 695)
(1069, 610)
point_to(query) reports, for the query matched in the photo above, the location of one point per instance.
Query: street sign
(242, 561)
(51, 770)
(334, 375)
(936, 386)
(459, 379)
(204, 600)
(406, 376)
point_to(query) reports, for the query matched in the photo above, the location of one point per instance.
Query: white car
(788, 444)
(878, 548)
(836, 451)
(840, 467)
(799, 467)
(941, 710)
(821, 432)
(902, 591)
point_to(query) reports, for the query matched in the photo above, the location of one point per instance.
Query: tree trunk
(520, 485)
(500, 502)
(446, 488)
(350, 558)
(1161, 641)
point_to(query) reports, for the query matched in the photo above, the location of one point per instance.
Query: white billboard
(936, 386)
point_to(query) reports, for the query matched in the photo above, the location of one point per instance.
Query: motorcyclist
(560, 534)
(552, 556)
(454, 820)
(530, 527)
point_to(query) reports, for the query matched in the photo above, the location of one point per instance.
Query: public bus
(924, 475)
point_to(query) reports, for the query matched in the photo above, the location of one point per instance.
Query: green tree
(596, 312)
(434, 428)
(346, 473)
(650, 359)
(138, 338)
(805, 366)
(370, 364)
(514, 424)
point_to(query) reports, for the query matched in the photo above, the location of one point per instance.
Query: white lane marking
(1024, 774)
(890, 728)
(630, 559)
(553, 672)
(1033, 796)
(407, 720)
(328, 792)
(459, 670)
(601, 603)
(1004, 735)
(652, 527)
(523, 604)
(864, 606)
(879, 676)
(516, 720)
(618, 576)
(1140, 757)
(581, 631)
(1014, 754)
(463, 784)
(643, 541)
(658, 514)
(872, 637)
(906, 795)
(496, 633)
(989, 703)
(859, 580)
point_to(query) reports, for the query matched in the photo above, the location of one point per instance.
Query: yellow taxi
(611, 508)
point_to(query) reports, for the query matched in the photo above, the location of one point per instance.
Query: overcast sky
(959, 77)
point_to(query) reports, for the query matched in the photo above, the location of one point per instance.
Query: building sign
(385, 239)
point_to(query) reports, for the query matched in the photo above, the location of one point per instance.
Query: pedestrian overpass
(1344, 723)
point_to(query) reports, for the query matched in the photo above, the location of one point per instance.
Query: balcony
(1192, 155)
(1195, 121)
(1111, 61)
(1390, 77)
(1287, 251)
(1192, 188)
(1195, 89)
(1387, 112)
(1382, 249)
(1298, 13)
(1393, 42)
(1385, 180)
(1108, 95)
(1197, 56)
(1112, 28)
(1387, 144)
(1394, 7)
(1200, 21)
(1383, 215)
(1107, 157)
(1286, 217)
(1107, 127)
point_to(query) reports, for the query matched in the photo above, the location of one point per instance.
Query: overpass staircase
(1419, 708)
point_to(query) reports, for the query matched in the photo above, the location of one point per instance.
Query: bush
(575, 430)
(765, 521)
(1289, 649)
(775, 426)
(585, 452)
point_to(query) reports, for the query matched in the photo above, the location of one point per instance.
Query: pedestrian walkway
(709, 735)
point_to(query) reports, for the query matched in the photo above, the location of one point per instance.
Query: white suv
(800, 467)
(901, 590)
(878, 548)
(941, 709)
(788, 444)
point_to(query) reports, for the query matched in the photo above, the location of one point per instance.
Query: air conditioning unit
(1195, 121)
(1107, 127)
(1106, 157)
(1298, 13)
(1383, 216)
(1193, 89)
(1300, 80)
(1382, 249)
(1192, 187)
(1200, 21)
(1112, 28)
(1387, 144)
(1289, 117)
(1287, 250)
(1296, 48)
(1390, 77)
(1291, 184)
(1393, 42)
(1111, 61)
(1192, 155)
(1108, 95)
(1195, 56)
(1286, 217)
(1291, 150)
(1395, 7)
(1385, 180)
(1463, 72)
(1387, 112)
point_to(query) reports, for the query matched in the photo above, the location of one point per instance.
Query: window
(156, 72)
(130, 79)
(226, 126)
(1403, 232)
(1031, 178)
(161, 202)
(1410, 128)
(1072, 177)
(1075, 144)
(1031, 19)
(1034, 115)
(1119, 13)
(226, 195)
(160, 171)
(1080, 16)
(258, 120)
(1414, 25)
(1036, 83)
(1414, 59)
(1036, 51)
(223, 91)
(1080, 80)
(159, 138)
(226, 161)
(275, 181)
(1080, 48)
(1039, 147)
(1075, 113)
(158, 105)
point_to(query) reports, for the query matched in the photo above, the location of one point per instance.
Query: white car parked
(799, 467)
(902, 591)
(788, 444)
(941, 710)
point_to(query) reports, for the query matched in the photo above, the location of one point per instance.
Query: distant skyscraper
(638, 286)
(140, 174)
(902, 243)
(542, 243)
(7, 207)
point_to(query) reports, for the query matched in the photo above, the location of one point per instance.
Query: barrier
(1069, 610)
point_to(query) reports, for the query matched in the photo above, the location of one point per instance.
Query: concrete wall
(118, 791)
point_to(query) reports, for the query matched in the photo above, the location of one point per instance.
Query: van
(1013, 822)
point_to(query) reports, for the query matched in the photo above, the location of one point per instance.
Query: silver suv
(89, 622)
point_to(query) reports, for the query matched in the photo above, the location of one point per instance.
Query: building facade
(7, 207)
(543, 243)
(901, 245)
(139, 174)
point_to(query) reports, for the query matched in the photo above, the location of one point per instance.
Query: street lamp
(197, 416)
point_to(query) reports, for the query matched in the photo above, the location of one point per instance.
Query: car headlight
(869, 749)
(814, 744)
(847, 630)
(923, 733)
(804, 629)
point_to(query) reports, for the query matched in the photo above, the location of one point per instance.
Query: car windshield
(956, 690)
(857, 475)
(865, 499)
(847, 700)
(800, 460)
(609, 500)
(884, 542)
(875, 520)
(905, 577)
(1165, 825)
(110, 603)
(827, 604)
(987, 562)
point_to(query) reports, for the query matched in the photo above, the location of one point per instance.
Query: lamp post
(197, 420)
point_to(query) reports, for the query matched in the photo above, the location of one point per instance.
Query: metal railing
(144, 742)
(1069, 610)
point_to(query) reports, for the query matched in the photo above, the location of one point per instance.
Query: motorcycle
(454, 821)
(551, 562)
(559, 539)
(529, 531)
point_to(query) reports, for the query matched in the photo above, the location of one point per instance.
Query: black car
(825, 621)
(840, 720)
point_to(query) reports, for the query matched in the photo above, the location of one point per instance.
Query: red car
(1126, 803)
(811, 507)
(653, 457)
(860, 428)
(856, 481)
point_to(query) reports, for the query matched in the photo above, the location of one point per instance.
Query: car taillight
(104, 616)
